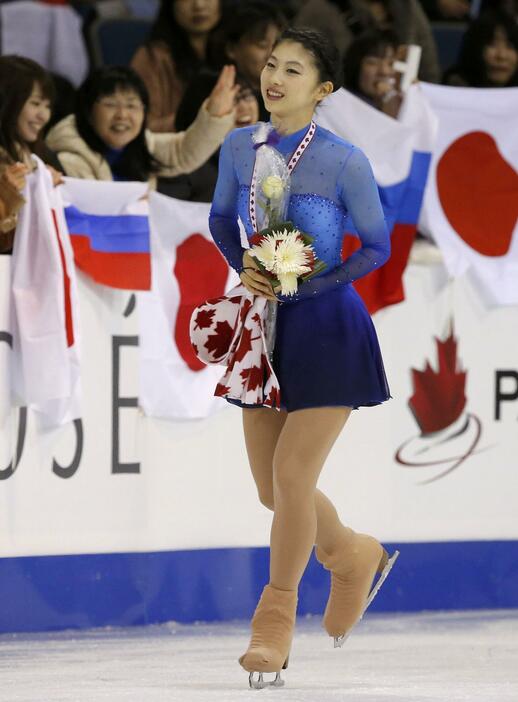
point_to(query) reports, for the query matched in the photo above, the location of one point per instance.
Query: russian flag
(400, 155)
(109, 231)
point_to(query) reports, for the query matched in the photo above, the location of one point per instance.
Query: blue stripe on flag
(110, 233)
(402, 201)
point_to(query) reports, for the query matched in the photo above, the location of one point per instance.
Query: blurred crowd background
(137, 89)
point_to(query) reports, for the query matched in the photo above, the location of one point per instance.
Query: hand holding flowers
(286, 256)
(254, 280)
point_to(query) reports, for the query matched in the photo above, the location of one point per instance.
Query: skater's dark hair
(325, 54)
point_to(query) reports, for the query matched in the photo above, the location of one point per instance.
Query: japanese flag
(45, 373)
(187, 269)
(471, 200)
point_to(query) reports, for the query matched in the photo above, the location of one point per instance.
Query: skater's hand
(255, 281)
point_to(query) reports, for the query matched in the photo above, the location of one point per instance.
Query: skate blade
(340, 640)
(261, 683)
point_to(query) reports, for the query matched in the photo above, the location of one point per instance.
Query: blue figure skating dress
(326, 349)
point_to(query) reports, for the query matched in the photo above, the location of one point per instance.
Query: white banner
(44, 323)
(389, 144)
(187, 268)
(121, 481)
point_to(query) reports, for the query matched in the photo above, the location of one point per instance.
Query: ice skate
(272, 632)
(260, 683)
(353, 571)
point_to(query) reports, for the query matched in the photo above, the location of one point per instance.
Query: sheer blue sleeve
(359, 193)
(223, 218)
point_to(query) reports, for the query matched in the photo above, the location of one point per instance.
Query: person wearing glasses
(107, 139)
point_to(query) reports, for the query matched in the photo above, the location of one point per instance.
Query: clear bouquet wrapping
(283, 253)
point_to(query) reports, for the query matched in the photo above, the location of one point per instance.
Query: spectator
(177, 48)
(369, 71)
(12, 182)
(248, 31)
(107, 139)
(246, 38)
(198, 185)
(341, 21)
(28, 92)
(453, 10)
(411, 26)
(405, 18)
(488, 55)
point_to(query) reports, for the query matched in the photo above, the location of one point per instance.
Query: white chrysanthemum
(280, 235)
(289, 283)
(292, 255)
(285, 255)
(265, 252)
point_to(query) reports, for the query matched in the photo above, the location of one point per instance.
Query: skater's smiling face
(292, 82)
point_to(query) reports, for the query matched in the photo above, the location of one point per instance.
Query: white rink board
(194, 490)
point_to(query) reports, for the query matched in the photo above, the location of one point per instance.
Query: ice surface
(468, 656)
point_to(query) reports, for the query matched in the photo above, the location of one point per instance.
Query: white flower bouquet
(286, 257)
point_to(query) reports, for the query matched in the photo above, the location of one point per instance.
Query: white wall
(193, 488)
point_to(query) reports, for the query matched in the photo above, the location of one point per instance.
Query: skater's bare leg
(262, 428)
(293, 447)
(303, 445)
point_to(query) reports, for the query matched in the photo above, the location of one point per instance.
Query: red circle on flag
(478, 191)
(201, 273)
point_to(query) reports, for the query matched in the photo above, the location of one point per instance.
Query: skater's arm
(223, 218)
(359, 194)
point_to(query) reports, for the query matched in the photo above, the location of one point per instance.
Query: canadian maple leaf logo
(219, 343)
(439, 396)
(204, 319)
(221, 390)
(448, 434)
(253, 377)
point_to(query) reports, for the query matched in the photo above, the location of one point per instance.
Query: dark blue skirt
(327, 353)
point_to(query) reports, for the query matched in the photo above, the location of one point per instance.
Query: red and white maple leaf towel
(229, 330)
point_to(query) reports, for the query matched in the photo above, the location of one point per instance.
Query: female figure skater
(326, 354)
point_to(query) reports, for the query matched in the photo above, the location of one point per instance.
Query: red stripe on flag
(69, 324)
(125, 271)
(384, 286)
(201, 272)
